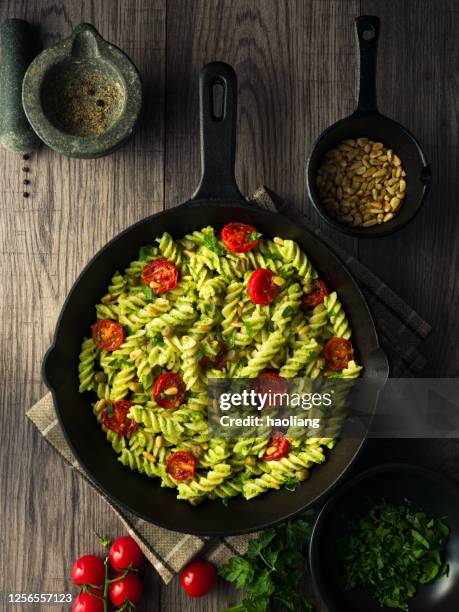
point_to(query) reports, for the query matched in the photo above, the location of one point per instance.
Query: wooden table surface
(295, 61)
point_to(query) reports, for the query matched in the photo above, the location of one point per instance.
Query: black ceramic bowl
(394, 483)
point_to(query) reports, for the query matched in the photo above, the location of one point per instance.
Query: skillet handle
(367, 31)
(217, 115)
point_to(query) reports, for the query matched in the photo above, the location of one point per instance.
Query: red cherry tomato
(125, 553)
(108, 335)
(338, 352)
(181, 465)
(125, 589)
(316, 295)
(161, 275)
(271, 382)
(115, 418)
(277, 448)
(261, 288)
(240, 237)
(219, 361)
(170, 381)
(88, 569)
(90, 600)
(198, 578)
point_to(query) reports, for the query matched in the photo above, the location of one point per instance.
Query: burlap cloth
(401, 331)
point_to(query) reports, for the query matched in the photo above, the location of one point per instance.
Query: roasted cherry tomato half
(160, 275)
(90, 600)
(219, 361)
(88, 569)
(169, 390)
(125, 553)
(338, 353)
(181, 465)
(125, 589)
(240, 237)
(271, 382)
(198, 578)
(277, 448)
(317, 295)
(261, 287)
(108, 335)
(115, 418)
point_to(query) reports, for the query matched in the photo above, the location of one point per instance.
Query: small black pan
(367, 121)
(216, 202)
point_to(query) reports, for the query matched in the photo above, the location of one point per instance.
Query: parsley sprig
(272, 569)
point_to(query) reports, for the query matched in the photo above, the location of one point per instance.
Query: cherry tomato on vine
(160, 275)
(278, 447)
(115, 418)
(88, 569)
(261, 287)
(181, 465)
(240, 237)
(89, 600)
(338, 352)
(317, 294)
(125, 589)
(108, 335)
(125, 553)
(198, 578)
(169, 390)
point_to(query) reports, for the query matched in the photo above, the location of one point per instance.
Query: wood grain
(295, 62)
(48, 514)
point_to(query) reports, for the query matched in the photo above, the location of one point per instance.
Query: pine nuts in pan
(361, 183)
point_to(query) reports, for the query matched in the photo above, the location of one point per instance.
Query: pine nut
(135, 354)
(358, 181)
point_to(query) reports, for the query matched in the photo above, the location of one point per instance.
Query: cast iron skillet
(216, 202)
(366, 120)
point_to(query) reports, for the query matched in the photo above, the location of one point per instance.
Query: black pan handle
(367, 30)
(217, 115)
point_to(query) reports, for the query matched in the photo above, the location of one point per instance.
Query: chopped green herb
(120, 363)
(156, 339)
(145, 252)
(288, 310)
(148, 292)
(254, 236)
(248, 328)
(393, 549)
(199, 354)
(110, 410)
(292, 484)
(211, 242)
(272, 569)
